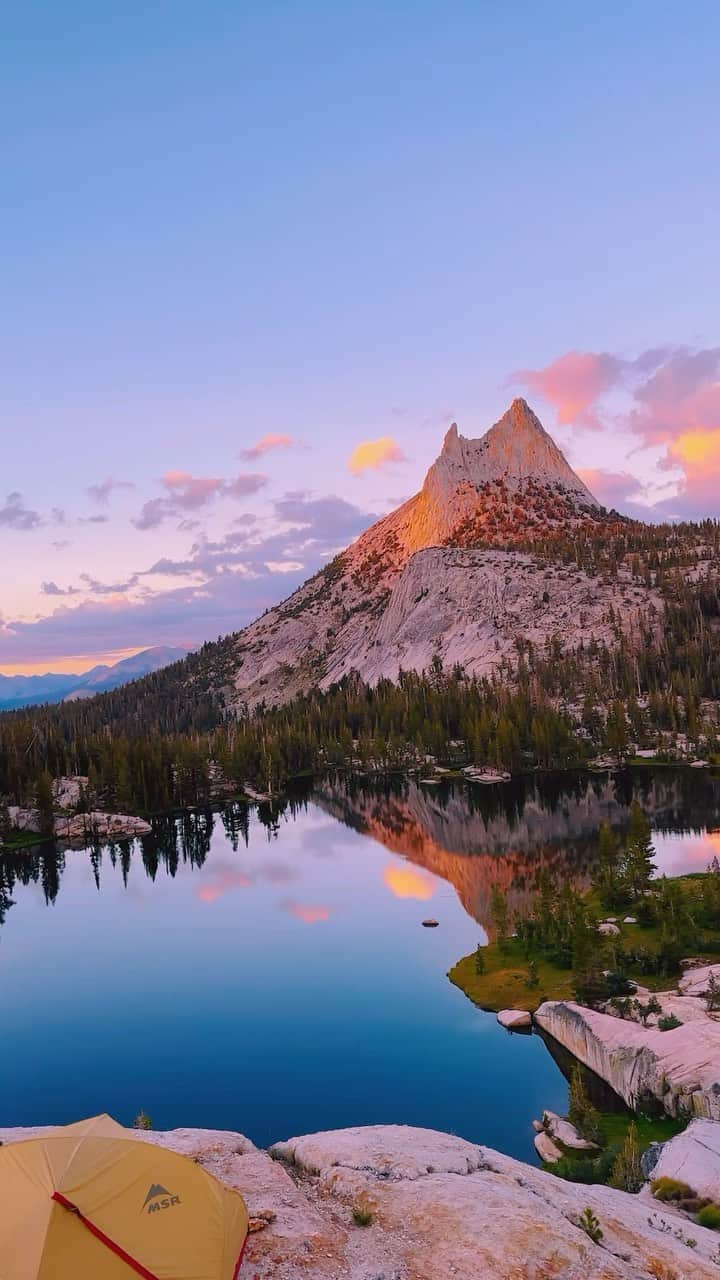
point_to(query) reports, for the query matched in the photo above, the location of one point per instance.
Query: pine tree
(499, 916)
(45, 803)
(639, 853)
(626, 1173)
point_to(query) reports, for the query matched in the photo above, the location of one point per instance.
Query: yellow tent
(88, 1202)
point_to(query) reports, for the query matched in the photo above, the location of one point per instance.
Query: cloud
(99, 519)
(372, 455)
(15, 515)
(223, 585)
(97, 588)
(52, 589)
(221, 883)
(101, 491)
(667, 398)
(573, 383)
(409, 882)
(265, 445)
(305, 912)
(611, 488)
(190, 493)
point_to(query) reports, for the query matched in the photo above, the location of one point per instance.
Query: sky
(256, 258)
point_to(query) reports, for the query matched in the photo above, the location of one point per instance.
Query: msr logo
(159, 1198)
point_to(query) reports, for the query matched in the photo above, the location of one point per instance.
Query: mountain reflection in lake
(266, 970)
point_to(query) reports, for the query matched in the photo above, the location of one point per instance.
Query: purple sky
(257, 258)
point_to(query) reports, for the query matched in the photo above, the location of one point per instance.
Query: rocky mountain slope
(443, 575)
(437, 1206)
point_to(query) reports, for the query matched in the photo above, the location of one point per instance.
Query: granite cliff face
(439, 1207)
(679, 1068)
(439, 576)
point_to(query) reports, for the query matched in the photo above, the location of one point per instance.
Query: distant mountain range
(28, 691)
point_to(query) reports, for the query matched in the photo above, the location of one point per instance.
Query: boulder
(565, 1132)
(514, 1019)
(546, 1148)
(680, 1068)
(607, 927)
(693, 1157)
(695, 981)
(441, 1207)
(86, 827)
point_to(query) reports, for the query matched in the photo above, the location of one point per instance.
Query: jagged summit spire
(516, 449)
(452, 439)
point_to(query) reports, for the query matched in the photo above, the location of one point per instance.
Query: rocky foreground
(435, 1206)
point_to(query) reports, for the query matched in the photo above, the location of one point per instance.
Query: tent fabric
(88, 1202)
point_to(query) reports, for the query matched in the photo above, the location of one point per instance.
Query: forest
(174, 739)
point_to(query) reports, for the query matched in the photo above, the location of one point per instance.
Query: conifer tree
(626, 1173)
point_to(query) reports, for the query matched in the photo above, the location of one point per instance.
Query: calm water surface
(268, 972)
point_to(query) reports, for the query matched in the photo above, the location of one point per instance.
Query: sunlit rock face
(439, 576)
(473, 847)
(477, 838)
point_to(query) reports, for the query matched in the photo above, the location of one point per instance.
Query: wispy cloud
(191, 493)
(101, 491)
(14, 514)
(308, 913)
(223, 584)
(265, 445)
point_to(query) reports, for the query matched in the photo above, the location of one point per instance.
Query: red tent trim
(100, 1235)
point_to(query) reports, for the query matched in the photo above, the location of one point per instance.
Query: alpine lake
(265, 968)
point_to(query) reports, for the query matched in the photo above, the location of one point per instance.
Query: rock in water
(546, 1148)
(514, 1019)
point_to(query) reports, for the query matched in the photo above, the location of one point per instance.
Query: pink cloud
(372, 455)
(190, 493)
(218, 885)
(573, 383)
(307, 913)
(611, 488)
(672, 399)
(265, 445)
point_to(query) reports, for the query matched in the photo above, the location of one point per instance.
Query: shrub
(710, 1217)
(590, 1225)
(670, 1189)
(362, 1214)
(620, 985)
(585, 1169)
(142, 1121)
(669, 1022)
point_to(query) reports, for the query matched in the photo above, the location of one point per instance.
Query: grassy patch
(23, 840)
(503, 984)
(615, 1124)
